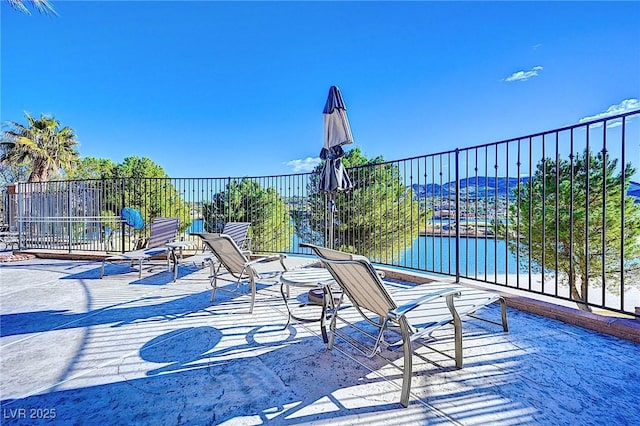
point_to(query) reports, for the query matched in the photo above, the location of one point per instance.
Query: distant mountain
(483, 186)
(487, 186)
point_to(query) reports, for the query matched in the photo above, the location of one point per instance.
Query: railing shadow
(268, 375)
(119, 314)
(162, 277)
(211, 368)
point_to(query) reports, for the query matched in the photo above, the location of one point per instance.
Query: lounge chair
(236, 263)
(416, 311)
(239, 232)
(163, 230)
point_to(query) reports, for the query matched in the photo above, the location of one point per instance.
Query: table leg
(329, 310)
(286, 303)
(174, 260)
(290, 315)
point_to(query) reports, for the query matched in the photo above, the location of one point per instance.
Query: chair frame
(347, 268)
(155, 245)
(239, 232)
(242, 268)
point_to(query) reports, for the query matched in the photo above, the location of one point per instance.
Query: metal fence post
(228, 203)
(69, 209)
(20, 195)
(122, 224)
(457, 213)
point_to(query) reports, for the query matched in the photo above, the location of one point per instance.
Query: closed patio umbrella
(337, 132)
(132, 217)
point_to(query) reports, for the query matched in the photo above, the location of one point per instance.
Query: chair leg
(457, 326)
(407, 371)
(333, 316)
(332, 331)
(252, 289)
(503, 308)
(329, 311)
(102, 269)
(329, 308)
(213, 280)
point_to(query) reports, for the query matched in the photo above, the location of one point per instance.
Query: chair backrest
(357, 277)
(163, 230)
(227, 252)
(238, 232)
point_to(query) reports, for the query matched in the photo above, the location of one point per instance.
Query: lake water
(196, 226)
(478, 256)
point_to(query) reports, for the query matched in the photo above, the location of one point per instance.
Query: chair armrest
(140, 243)
(269, 258)
(407, 307)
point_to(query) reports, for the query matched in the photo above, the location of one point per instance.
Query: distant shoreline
(453, 234)
(467, 231)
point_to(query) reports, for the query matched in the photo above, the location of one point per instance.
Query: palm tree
(43, 6)
(43, 144)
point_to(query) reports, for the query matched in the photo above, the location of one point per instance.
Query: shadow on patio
(103, 351)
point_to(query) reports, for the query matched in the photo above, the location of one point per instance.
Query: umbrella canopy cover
(337, 132)
(132, 217)
(334, 177)
(336, 124)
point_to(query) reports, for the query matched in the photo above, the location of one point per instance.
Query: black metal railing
(555, 213)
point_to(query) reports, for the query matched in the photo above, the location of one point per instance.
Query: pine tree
(569, 218)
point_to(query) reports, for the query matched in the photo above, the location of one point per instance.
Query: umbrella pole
(332, 208)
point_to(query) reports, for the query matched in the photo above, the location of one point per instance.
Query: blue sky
(213, 89)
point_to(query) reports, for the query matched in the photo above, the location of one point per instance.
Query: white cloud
(622, 107)
(305, 165)
(524, 75)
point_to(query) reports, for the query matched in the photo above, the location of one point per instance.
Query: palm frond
(42, 6)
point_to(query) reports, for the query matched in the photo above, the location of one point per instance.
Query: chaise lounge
(415, 312)
(236, 262)
(163, 230)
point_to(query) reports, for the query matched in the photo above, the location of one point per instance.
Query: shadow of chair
(415, 311)
(162, 231)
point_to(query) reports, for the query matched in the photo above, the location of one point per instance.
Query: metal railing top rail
(67, 218)
(440, 153)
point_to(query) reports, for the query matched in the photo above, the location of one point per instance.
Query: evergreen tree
(378, 218)
(138, 183)
(586, 232)
(247, 201)
(93, 168)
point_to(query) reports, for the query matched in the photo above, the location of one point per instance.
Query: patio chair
(237, 263)
(239, 231)
(416, 311)
(162, 231)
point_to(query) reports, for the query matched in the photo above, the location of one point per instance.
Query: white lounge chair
(415, 312)
(236, 263)
(239, 233)
(163, 230)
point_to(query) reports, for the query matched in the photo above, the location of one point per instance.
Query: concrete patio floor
(149, 351)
